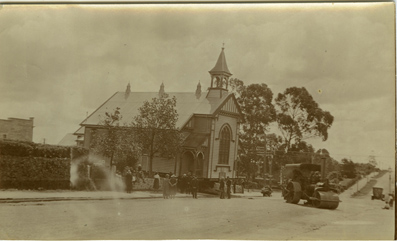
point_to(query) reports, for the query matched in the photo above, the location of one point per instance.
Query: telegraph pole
(390, 171)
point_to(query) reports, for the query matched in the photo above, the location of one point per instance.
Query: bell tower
(220, 75)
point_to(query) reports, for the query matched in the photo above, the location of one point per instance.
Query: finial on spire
(198, 90)
(127, 91)
(161, 91)
(223, 45)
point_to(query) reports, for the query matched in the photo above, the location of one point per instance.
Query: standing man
(128, 181)
(222, 188)
(391, 200)
(140, 173)
(188, 182)
(228, 187)
(194, 186)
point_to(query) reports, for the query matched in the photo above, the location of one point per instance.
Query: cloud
(58, 62)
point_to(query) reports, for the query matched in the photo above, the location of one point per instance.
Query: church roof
(220, 66)
(187, 104)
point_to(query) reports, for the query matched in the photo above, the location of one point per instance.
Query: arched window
(224, 145)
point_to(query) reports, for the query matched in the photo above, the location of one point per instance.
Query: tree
(258, 112)
(372, 161)
(348, 168)
(236, 86)
(247, 165)
(155, 128)
(115, 141)
(299, 117)
(299, 152)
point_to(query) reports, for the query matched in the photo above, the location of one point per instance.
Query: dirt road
(207, 218)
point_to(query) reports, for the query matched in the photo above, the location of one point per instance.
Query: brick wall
(17, 129)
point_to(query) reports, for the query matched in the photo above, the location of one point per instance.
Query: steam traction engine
(304, 182)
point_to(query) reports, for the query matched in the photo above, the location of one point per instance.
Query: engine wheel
(327, 200)
(294, 193)
(316, 203)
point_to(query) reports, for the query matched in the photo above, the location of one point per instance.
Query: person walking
(391, 200)
(141, 176)
(156, 183)
(128, 181)
(173, 182)
(222, 188)
(187, 183)
(194, 186)
(228, 187)
(166, 185)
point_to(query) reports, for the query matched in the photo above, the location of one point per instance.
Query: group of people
(222, 184)
(187, 184)
(132, 176)
(389, 201)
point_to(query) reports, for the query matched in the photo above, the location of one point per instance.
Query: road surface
(206, 218)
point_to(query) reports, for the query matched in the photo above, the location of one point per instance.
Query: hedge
(28, 165)
(31, 149)
(34, 172)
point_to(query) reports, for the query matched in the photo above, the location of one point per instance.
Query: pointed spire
(161, 91)
(220, 75)
(221, 66)
(198, 90)
(127, 91)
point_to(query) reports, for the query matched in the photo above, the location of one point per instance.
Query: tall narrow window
(224, 146)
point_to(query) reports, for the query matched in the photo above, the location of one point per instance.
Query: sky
(59, 63)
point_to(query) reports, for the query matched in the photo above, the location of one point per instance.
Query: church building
(208, 122)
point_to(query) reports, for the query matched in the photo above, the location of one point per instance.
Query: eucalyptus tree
(299, 117)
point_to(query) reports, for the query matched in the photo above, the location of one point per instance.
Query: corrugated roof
(187, 104)
(220, 66)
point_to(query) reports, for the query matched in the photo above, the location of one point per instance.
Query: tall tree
(114, 141)
(155, 128)
(299, 117)
(258, 112)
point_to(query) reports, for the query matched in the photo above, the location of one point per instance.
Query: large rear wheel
(294, 192)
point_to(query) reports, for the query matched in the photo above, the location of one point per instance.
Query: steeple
(220, 75)
(198, 90)
(127, 91)
(161, 91)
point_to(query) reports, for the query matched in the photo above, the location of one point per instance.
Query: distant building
(68, 140)
(73, 139)
(208, 121)
(17, 129)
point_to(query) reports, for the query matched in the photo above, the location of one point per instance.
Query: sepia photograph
(187, 121)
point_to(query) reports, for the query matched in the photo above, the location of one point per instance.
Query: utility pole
(390, 171)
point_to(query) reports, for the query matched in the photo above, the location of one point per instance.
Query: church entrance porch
(192, 162)
(187, 163)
